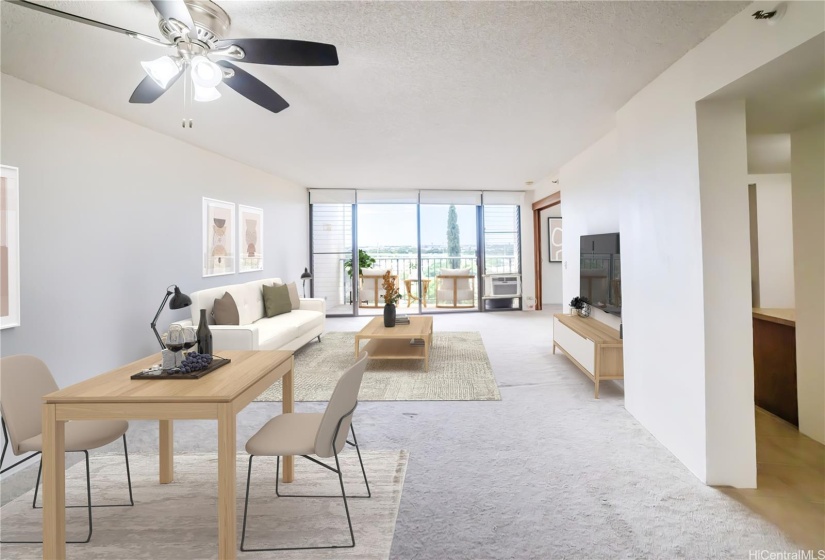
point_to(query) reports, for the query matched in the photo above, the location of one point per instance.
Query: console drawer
(581, 349)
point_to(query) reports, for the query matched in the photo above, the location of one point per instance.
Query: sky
(394, 224)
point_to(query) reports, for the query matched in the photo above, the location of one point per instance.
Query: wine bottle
(204, 335)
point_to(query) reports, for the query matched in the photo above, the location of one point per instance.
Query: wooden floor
(790, 481)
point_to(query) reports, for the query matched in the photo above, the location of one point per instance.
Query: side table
(410, 295)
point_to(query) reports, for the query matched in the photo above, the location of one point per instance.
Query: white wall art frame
(554, 235)
(218, 255)
(250, 238)
(9, 247)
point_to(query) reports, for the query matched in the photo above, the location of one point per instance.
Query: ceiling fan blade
(284, 52)
(176, 9)
(87, 21)
(254, 89)
(148, 90)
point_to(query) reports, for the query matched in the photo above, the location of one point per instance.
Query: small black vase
(204, 335)
(389, 315)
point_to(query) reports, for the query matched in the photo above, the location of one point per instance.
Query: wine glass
(175, 341)
(190, 337)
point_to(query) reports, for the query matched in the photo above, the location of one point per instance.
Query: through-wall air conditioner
(503, 285)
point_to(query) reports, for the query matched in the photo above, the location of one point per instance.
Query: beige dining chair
(23, 382)
(322, 434)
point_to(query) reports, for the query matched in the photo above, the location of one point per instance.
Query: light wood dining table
(219, 395)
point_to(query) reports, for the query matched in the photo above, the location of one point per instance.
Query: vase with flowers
(391, 297)
(581, 305)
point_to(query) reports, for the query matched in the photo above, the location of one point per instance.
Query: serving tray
(162, 374)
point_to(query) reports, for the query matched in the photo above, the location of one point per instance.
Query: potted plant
(391, 297)
(581, 305)
(364, 261)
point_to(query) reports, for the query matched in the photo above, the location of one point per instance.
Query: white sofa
(288, 331)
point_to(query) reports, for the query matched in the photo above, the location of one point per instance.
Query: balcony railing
(406, 267)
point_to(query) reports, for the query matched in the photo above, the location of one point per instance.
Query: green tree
(453, 240)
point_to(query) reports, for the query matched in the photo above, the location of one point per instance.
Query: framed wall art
(218, 237)
(554, 238)
(9, 247)
(250, 238)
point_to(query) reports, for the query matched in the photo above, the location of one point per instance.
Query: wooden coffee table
(393, 343)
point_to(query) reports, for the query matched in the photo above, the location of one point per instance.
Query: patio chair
(455, 288)
(372, 287)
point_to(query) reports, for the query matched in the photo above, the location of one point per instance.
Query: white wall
(774, 219)
(769, 153)
(110, 215)
(808, 177)
(591, 195)
(726, 267)
(551, 272)
(643, 179)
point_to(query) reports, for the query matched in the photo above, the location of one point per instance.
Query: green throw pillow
(276, 300)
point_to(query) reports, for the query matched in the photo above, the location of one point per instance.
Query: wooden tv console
(590, 344)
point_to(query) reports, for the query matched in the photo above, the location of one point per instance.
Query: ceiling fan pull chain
(185, 87)
(191, 96)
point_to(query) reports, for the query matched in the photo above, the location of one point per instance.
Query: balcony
(405, 266)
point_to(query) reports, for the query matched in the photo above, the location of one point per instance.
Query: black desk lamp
(179, 301)
(306, 276)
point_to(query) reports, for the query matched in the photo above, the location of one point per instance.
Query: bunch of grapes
(195, 362)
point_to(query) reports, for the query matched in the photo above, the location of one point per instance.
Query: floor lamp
(304, 277)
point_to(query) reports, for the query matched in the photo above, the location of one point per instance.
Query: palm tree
(453, 239)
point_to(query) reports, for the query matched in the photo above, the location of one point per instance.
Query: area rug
(179, 520)
(459, 371)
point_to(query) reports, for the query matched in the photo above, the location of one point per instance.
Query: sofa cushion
(248, 298)
(225, 311)
(276, 300)
(255, 309)
(303, 321)
(275, 332)
(294, 298)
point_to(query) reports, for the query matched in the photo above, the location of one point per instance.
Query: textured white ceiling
(428, 94)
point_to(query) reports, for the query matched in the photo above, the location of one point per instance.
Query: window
(502, 245)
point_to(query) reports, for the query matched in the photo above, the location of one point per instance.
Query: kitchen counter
(776, 315)
(774, 362)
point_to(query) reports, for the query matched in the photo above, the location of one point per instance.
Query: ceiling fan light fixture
(162, 70)
(205, 94)
(206, 73)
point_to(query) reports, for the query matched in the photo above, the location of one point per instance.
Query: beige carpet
(179, 520)
(459, 371)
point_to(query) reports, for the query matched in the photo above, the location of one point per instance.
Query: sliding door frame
(543, 204)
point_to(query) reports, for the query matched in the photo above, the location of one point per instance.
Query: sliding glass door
(445, 250)
(387, 242)
(449, 257)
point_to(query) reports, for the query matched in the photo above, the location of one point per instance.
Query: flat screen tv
(600, 272)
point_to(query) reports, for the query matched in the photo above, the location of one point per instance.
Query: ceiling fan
(195, 29)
